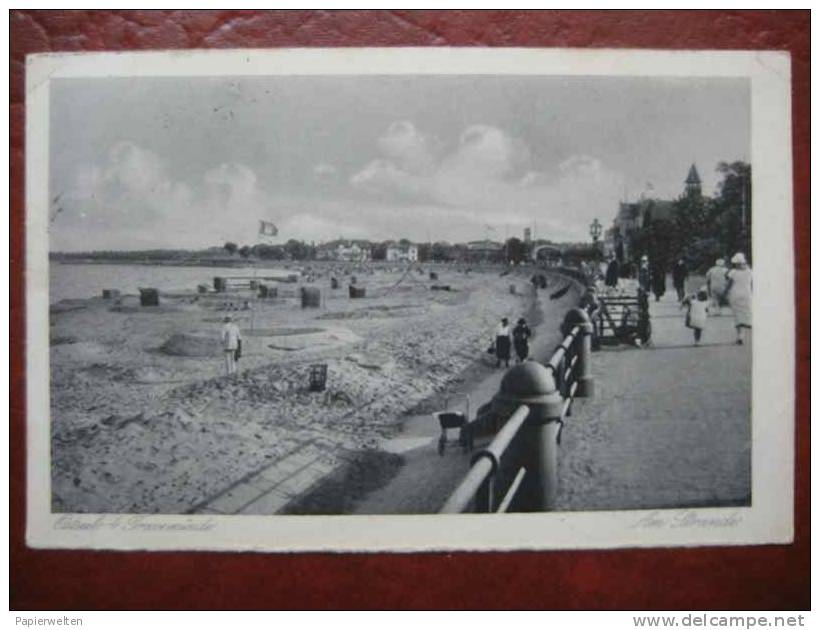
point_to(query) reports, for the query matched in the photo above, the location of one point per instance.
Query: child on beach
(697, 312)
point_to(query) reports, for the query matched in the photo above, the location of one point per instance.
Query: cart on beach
(450, 419)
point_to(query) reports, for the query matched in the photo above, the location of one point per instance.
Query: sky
(194, 162)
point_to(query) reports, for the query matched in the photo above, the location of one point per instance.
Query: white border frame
(768, 520)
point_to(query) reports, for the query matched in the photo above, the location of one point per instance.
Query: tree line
(701, 229)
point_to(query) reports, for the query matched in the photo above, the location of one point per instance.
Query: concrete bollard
(533, 385)
(579, 317)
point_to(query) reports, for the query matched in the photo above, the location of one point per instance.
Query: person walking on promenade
(716, 282)
(502, 343)
(658, 273)
(697, 312)
(739, 294)
(643, 275)
(231, 339)
(612, 273)
(679, 275)
(521, 339)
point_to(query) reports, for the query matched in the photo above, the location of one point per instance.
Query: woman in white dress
(739, 294)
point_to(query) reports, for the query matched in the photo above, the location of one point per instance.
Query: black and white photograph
(261, 291)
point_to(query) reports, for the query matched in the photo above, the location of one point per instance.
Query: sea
(80, 280)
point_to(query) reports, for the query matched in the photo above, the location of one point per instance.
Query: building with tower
(692, 182)
(632, 216)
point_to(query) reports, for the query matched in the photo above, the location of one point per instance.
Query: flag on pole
(268, 228)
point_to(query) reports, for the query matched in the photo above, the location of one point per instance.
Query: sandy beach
(144, 420)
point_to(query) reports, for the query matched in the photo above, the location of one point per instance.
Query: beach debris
(441, 287)
(59, 341)
(356, 292)
(318, 377)
(110, 294)
(560, 292)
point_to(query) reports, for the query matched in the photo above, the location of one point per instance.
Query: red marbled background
(765, 577)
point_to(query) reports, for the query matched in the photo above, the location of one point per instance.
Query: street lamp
(595, 231)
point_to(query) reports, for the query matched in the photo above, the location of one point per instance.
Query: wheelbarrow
(450, 419)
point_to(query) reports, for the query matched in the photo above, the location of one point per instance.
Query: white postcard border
(768, 520)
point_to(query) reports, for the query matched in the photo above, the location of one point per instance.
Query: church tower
(693, 183)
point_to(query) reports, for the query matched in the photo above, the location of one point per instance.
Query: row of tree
(514, 250)
(702, 229)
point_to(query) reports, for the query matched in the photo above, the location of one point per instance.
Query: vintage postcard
(409, 299)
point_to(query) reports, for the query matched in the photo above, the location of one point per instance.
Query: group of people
(724, 287)
(508, 338)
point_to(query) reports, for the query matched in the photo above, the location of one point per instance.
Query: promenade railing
(517, 471)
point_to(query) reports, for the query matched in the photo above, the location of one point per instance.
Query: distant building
(401, 253)
(343, 251)
(527, 235)
(693, 182)
(486, 250)
(632, 216)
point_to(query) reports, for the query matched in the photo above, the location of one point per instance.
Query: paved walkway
(669, 425)
(268, 490)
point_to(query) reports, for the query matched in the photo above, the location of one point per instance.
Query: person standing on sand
(231, 338)
(502, 343)
(739, 294)
(521, 339)
(716, 282)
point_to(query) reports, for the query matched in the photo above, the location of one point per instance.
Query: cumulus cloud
(130, 198)
(489, 174)
(324, 170)
(485, 151)
(411, 150)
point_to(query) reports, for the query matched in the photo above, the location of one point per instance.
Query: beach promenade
(669, 426)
